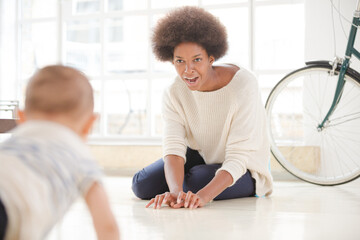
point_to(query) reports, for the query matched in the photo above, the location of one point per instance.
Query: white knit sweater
(226, 126)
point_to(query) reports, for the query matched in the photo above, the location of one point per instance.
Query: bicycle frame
(350, 51)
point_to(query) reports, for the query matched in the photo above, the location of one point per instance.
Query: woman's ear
(21, 117)
(211, 59)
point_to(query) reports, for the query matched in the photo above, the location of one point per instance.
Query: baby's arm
(103, 218)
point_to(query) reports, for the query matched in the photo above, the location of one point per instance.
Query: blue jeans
(3, 221)
(150, 181)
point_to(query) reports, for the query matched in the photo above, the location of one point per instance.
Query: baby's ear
(21, 117)
(88, 125)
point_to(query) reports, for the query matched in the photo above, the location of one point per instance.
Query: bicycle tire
(296, 106)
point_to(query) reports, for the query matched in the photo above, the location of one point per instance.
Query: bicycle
(313, 134)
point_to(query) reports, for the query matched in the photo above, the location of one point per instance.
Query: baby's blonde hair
(59, 89)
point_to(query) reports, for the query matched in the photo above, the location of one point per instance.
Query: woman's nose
(189, 68)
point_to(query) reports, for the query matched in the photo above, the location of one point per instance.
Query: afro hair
(189, 24)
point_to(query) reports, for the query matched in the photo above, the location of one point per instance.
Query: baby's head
(60, 94)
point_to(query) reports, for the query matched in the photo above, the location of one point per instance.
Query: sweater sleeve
(174, 130)
(245, 132)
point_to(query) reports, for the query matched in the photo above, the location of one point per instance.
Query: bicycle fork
(338, 92)
(350, 50)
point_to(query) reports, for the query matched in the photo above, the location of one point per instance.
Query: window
(109, 41)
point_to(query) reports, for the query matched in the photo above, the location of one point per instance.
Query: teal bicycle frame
(350, 51)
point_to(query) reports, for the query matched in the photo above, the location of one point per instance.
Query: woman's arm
(217, 185)
(174, 174)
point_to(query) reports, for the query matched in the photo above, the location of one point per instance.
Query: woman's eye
(179, 61)
(197, 59)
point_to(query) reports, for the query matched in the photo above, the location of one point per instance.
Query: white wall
(319, 40)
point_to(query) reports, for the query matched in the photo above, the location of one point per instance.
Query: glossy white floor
(296, 210)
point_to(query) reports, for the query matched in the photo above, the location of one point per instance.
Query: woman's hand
(191, 200)
(219, 183)
(166, 198)
(182, 200)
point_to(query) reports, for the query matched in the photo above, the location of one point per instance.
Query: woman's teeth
(192, 80)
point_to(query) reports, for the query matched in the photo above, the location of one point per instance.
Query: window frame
(150, 138)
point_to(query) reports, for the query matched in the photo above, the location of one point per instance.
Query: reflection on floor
(296, 210)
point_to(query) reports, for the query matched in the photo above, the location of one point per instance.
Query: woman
(215, 143)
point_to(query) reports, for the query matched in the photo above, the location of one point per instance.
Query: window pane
(236, 23)
(116, 5)
(267, 82)
(106, 44)
(86, 6)
(279, 42)
(38, 47)
(172, 3)
(126, 44)
(211, 2)
(158, 66)
(82, 46)
(8, 109)
(38, 8)
(161, 67)
(125, 107)
(157, 89)
(96, 85)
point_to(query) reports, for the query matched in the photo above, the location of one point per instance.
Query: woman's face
(193, 65)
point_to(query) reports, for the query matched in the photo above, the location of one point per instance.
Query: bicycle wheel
(296, 106)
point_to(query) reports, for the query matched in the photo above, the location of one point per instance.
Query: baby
(45, 165)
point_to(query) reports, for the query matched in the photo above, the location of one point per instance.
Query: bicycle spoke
(340, 135)
(348, 155)
(333, 141)
(344, 121)
(345, 116)
(313, 98)
(321, 95)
